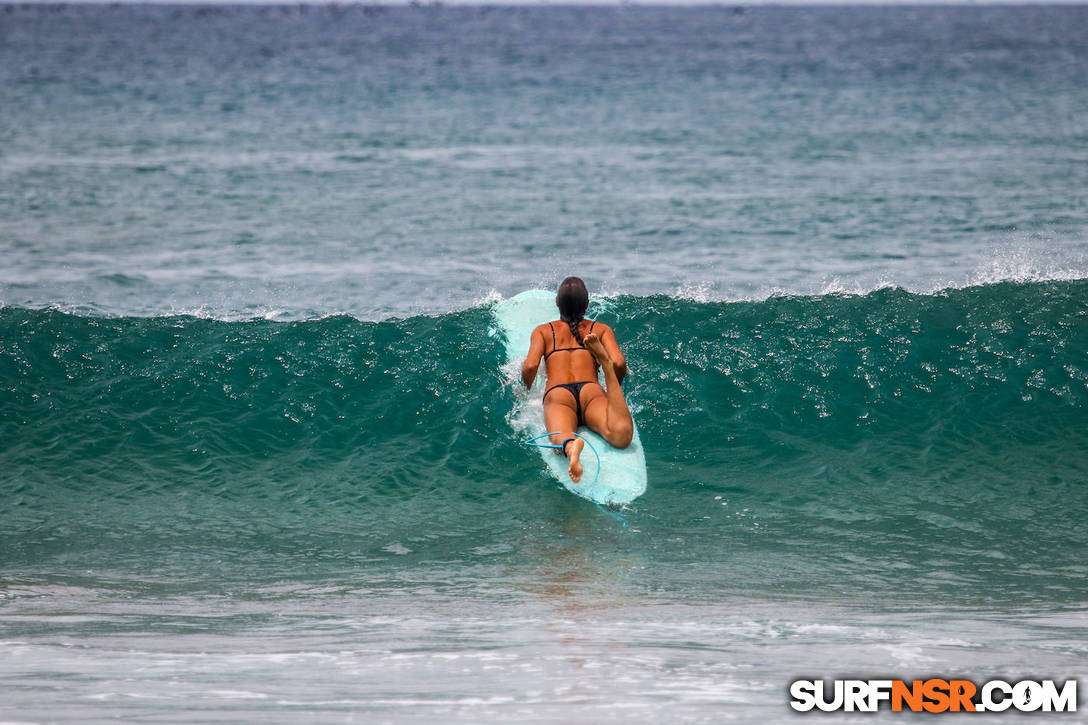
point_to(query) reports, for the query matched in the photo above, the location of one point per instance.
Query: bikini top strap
(555, 343)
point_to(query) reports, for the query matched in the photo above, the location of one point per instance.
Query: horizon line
(549, 3)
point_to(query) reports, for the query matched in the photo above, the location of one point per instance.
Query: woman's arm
(532, 360)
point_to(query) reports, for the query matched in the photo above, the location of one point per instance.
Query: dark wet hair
(572, 299)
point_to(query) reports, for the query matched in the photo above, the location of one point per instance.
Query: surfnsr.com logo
(934, 695)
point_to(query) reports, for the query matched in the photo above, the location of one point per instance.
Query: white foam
(837, 287)
(1024, 264)
(694, 291)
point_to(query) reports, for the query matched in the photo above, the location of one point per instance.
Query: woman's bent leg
(615, 425)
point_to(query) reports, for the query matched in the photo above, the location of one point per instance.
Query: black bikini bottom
(575, 390)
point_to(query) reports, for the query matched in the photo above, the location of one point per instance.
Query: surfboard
(622, 476)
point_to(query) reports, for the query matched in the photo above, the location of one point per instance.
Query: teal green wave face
(892, 442)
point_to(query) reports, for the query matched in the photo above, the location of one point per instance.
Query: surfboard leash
(533, 442)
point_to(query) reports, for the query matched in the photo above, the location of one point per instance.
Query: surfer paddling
(573, 348)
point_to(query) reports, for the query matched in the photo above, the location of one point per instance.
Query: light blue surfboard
(622, 476)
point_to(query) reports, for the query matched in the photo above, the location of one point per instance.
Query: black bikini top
(561, 349)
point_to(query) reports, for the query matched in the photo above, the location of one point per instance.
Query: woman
(573, 348)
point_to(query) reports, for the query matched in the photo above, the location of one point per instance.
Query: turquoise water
(258, 459)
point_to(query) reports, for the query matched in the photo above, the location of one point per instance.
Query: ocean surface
(257, 460)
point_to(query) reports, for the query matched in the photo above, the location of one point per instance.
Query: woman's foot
(573, 449)
(596, 348)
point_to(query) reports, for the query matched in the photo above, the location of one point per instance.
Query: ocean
(258, 458)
